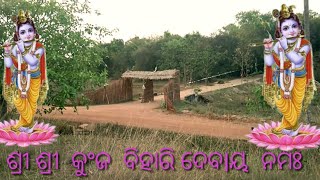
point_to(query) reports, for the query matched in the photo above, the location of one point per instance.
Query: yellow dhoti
(36, 94)
(291, 108)
(301, 94)
(27, 107)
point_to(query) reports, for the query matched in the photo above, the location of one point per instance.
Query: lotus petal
(256, 136)
(1, 133)
(311, 146)
(52, 140)
(2, 130)
(307, 139)
(23, 137)
(286, 140)
(23, 144)
(46, 142)
(41, 135)
(312, 129)
(262, 144)
(33, 136)
(55, 136)
(35, 143)
(286, 148)
(6, 124)
(267, 126)
(12, 122)
(13, 135)
(261, 127)
(254, 141)
(45, 127)
(10, 143)
(273, 124)
(274, 138)
(40, 125)
(1, 125)
(249, 136)
(307, 127)
(273, 146)
(273, 141)
(5, 135)
(255, 130)
(298, 139)
(300, 147)
(51, 128)
(48, 135)
(265, 138)
(315, 138)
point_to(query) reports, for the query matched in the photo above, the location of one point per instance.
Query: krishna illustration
(289, 85)
(25, 83)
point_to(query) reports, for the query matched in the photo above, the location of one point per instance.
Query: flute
(14, 43)
(276, 40)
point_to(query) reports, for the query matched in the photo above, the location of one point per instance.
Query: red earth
(149, 115)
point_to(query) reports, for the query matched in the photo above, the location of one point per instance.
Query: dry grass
(242, 102)
(157, 75)
(114, 139)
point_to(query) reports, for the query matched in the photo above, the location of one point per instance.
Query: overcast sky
(145, 18)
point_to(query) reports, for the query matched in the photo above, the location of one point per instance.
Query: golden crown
(21, 18)
(284, 13)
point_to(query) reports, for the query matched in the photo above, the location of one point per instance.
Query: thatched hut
(149, 76)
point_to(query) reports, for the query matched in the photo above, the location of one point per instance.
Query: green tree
(173, 54)
(225, 43)
(314, 38)
(253, 27)
(114, 57)
(73, 59)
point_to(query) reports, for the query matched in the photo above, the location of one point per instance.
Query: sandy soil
(149, 115)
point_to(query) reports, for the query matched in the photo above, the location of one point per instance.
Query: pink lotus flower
(309, 137)
(43, 134)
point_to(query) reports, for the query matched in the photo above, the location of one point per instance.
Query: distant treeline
(198, 56)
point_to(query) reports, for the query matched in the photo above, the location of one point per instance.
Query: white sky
(145, 18)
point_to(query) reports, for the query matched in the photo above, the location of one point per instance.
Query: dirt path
(148, 115)
(204, 89)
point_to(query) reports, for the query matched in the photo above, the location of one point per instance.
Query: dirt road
(148, 115)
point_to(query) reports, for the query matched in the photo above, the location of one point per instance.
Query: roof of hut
(157, 75)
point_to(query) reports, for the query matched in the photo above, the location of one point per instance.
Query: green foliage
(314, 38)
(239, 101)
(198, 56)
(256, 102)
(163, 104)
(74, 62)
(114, 139)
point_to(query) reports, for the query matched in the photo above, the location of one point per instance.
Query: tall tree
(72, 58)
(306, 19)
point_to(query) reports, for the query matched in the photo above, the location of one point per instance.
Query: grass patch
(243, 101)
(115, 138)
(229, 101)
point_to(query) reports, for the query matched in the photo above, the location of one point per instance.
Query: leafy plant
(73, 59)
(256, 102)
